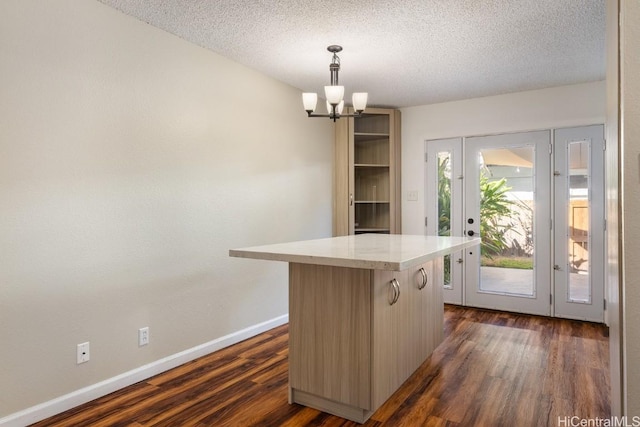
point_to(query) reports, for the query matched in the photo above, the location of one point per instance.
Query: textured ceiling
(403, 52)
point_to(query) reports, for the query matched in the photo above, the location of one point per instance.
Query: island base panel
(330, 332)
(348, 412)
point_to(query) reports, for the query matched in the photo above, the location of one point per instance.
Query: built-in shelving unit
(367, 173)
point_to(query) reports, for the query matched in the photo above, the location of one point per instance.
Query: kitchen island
(365, 312)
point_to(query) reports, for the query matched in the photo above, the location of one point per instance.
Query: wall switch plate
(412, 196)
(143, 336)
(82, 355)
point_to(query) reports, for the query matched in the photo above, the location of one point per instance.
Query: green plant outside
(494, 208)
(444, 211)
(523, 263)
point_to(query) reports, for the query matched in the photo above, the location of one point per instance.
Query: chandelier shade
(359, 100)
(310, 100)
(334, 94)
(339, 107)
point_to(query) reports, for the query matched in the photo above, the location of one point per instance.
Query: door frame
(431, 221)
(454, 293)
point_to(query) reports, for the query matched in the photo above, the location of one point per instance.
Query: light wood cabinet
(407, 332)
(367, 173)
(426, 282)
(391, 335)
(378, 327)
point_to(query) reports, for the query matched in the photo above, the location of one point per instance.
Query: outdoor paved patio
(520, 282)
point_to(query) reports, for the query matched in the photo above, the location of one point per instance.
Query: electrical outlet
(82, 355)
(143, 336)
(412, 196)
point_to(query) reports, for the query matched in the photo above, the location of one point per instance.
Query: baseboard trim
(68, 401)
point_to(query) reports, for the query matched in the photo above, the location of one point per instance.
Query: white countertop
(371, 251)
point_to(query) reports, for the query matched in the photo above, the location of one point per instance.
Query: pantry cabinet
(367, 173)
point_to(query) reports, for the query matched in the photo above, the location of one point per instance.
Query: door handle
(470, 233)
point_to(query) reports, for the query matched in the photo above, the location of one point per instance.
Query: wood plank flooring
(493, 369)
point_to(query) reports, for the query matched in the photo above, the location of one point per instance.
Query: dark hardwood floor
(493, 369)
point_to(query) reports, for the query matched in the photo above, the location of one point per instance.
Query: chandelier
(334, 94)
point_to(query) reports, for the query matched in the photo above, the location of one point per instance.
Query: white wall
(130, 163)
(563, 106)
(630, 138)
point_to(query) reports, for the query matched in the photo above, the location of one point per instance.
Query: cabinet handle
(424, 279)
(398, 293)
(351, 199)
(395, 291)
(396, 286)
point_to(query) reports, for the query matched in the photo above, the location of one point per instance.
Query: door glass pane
(579, 287)
(506, 221)
(444, 207)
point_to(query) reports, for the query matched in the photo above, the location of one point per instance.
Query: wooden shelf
(372, 216)
(371, 151)
(372, 123)
(370, 165)
(369, 136)
(372, 201)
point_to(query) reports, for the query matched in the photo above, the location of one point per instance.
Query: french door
(444, 170)
(579, 223)
(537, 201)
(507, 203)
